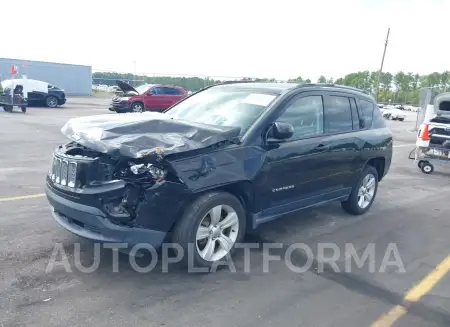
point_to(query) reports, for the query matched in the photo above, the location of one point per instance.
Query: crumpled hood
(138, 135)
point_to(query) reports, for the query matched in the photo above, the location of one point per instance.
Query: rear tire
(426, 168)
(363, 193)
(401, 119)
(203, 227)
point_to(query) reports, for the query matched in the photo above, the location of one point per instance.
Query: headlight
(124, 99)
(155, 172)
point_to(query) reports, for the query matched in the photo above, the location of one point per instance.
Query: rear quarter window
(371, 115)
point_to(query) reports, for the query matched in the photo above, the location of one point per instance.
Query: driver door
(296, 170)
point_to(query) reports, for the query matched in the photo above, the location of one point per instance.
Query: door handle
(322, 147)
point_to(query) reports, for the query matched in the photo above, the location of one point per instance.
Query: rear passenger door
(341, 127)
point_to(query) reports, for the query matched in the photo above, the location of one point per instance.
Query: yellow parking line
(415, 294)
(23, 197)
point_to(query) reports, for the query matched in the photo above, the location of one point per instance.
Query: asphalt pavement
(408, 220)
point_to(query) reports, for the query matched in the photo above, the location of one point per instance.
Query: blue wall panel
(74, 79)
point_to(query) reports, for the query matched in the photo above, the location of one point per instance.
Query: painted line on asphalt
(414, 295)
(23, 197)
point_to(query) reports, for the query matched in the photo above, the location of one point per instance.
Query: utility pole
(382, 62)
(134, 72)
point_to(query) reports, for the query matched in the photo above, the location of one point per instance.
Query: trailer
(433, 138)
(9, 100)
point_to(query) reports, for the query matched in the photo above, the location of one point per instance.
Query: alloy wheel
(217, 233)
(366, 191)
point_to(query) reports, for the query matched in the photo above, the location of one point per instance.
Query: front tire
(51, 101)
(363, 193)
(210, 228)
(137, 107)
(24, 109)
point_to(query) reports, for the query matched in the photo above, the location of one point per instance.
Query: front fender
(222, 167)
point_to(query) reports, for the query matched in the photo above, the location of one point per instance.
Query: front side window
(223, 107)
(338, 115)
(305, 114)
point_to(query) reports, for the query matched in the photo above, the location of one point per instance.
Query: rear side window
(168, 91)
(174, 91)
(338, 115)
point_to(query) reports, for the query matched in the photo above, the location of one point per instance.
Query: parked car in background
(152, 97)
(38, 93)
(394, 114)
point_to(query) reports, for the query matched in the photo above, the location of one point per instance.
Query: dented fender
(218, 168)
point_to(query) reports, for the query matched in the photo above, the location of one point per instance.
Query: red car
(152, 97)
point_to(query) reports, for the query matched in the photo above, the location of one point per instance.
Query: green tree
(322, 79)
(299, 79)
(445, 80)
(399, 87)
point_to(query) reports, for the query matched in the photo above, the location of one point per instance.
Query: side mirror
(282, 131)
(149, 93)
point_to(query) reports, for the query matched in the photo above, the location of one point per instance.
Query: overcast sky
(232, 38)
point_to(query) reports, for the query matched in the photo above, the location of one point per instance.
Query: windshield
(142, 89)
(217, 106)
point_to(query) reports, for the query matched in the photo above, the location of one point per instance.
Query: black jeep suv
(217, 164)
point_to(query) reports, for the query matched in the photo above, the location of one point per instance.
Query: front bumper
(91, 223)
(120, 106)
(62, 101)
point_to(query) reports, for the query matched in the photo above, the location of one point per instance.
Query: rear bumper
(91, 223)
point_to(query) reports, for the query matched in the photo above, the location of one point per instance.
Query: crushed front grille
(64, 172)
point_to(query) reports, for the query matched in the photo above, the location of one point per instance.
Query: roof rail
(233, 82)
(334, 85)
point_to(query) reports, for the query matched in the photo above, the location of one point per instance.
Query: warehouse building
(74, 79)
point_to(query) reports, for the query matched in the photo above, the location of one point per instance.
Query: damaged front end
(115, 182)
(119, 191)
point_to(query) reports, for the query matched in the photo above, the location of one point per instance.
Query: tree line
(398, 88)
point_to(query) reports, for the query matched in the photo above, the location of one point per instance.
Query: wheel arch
(242, 190)
(379, 163)
(137, 101)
